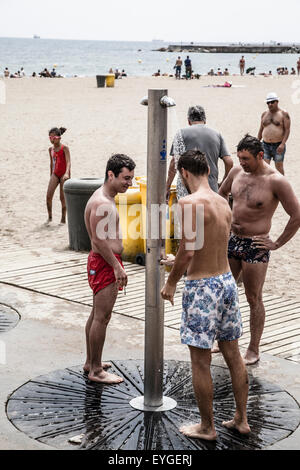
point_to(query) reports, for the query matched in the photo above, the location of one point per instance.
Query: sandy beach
(102, 121)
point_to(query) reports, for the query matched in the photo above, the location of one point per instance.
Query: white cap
(272, 97)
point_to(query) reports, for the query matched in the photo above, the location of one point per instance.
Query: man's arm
(228, 163)
(225, 187)
(287, 128)
(184, 255)
(260, 132)
(171, 176)
(284, 192)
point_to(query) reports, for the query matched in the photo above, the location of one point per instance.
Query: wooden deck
(63, 274)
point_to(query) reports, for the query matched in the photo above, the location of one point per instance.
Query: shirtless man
(106, 273)
(242, 65)
(256, 189)
(274, 130)
(298, 66)
(210, 299)
(178, 66)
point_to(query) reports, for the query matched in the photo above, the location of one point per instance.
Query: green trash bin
(100, 81)
(77, 193)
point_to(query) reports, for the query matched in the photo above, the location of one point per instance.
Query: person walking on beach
(60, 171)
(198, 136)
(106, 274)
(242, 65)
(210, 297)
(256, 190)
(298, 66)
(178, 66)
(188, 68)
(274, 130)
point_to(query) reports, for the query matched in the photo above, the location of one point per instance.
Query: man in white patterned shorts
(210, 298)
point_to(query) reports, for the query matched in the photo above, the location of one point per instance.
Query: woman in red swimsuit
(60, 171)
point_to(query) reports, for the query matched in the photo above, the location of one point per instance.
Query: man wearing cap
(198, 136)
(274, 130)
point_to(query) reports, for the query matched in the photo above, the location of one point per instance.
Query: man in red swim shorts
(106, 272)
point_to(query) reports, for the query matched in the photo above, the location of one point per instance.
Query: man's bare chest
(274, 119)
(252, 194)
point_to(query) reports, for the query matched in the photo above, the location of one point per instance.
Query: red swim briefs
(100, 273)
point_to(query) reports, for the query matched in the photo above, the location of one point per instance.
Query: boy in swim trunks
(210, 299)
(106, 272)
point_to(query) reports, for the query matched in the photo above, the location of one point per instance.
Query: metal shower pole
(153, 399)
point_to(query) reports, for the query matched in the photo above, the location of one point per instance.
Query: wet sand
(102, 121)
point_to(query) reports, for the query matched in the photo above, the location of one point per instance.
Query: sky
(143, 20)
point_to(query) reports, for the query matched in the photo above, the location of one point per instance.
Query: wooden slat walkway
(63, 274)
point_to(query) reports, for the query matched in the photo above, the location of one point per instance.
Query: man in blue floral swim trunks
(210, 300)
(256, 189)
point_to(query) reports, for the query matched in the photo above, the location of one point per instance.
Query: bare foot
(105, 365)
(250, 358)
(48, 223)
(196, 431)
(242, 427)
(105, 378)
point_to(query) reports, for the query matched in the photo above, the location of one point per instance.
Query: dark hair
(251, 144)
(57, 131)
(196, 113)
(118, 161)
(193, 161)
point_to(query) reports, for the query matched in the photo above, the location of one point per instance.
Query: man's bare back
(211, 259)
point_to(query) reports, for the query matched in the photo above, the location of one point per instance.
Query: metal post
(153, 399)
(156, 181)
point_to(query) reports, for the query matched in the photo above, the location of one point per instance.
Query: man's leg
(254, 277)
(279, 167)
(104, 301)
(88, 325)
(239, 378)
(203, 388)
(236, 269)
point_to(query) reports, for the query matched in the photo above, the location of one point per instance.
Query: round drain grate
(8, 318)
(58, 406)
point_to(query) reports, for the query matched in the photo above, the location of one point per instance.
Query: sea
(89, 58)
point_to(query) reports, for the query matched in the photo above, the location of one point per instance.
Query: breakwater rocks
(239, 49)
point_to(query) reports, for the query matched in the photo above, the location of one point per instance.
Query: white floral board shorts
(210, 311)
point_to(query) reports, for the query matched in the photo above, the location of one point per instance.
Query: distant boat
(158, 40)
(36, 37)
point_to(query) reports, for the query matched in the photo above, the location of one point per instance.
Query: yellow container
(110, 80)
(129, 208)
(171, 243)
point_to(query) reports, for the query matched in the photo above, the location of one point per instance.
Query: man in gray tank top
(198, 136)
